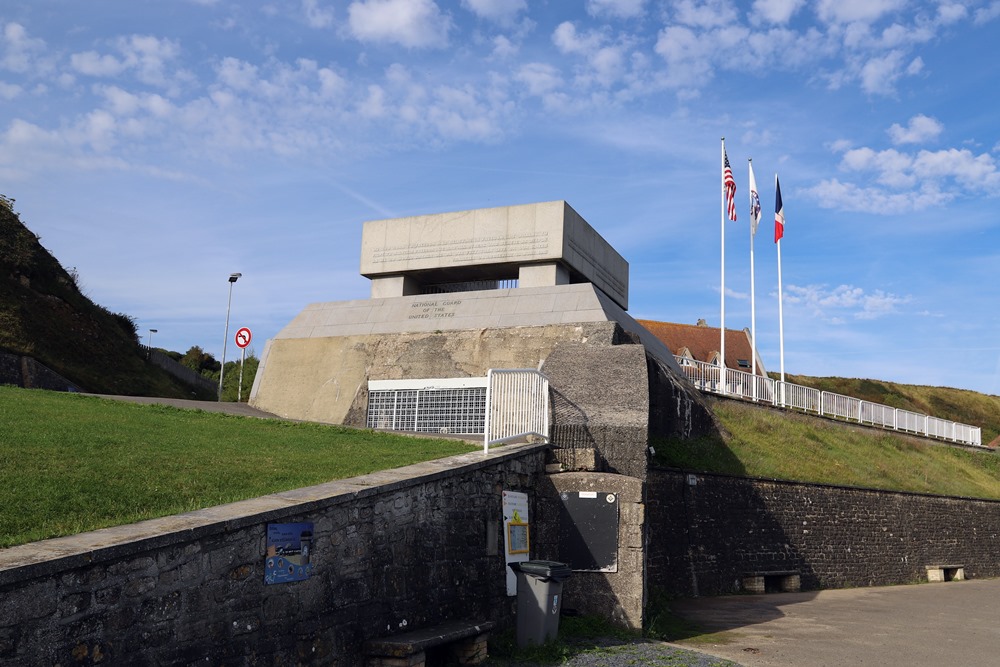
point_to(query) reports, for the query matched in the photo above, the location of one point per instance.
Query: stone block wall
(707, 532)
(619, 595)
(25, 372)
(392, 550)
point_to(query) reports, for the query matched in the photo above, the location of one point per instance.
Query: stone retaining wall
(709, 531)
(392, 550)
(22, 371)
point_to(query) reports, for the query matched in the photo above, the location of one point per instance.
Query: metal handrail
(762, 389)
(517, 406)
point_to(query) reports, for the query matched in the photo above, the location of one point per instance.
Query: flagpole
(722, 307)
(781, 300)
(754, 218)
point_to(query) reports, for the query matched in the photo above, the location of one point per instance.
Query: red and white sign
(243, 337)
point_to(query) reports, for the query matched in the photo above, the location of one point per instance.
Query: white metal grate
(402, 406)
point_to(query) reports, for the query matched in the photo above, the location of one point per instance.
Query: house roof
(702, 341)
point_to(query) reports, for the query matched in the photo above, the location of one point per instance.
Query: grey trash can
(539, 599)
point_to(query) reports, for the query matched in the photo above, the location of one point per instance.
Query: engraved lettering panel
(466, 251)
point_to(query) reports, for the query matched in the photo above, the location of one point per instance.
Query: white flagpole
(754, 219)
(781, 317)
(722, 308)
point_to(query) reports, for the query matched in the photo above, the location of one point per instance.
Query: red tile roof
(703, 342)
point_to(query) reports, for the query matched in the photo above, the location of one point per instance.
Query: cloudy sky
(157, 146)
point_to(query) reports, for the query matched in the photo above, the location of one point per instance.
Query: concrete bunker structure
(530, 286)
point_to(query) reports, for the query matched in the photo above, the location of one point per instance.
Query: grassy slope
(70, 463)
(764, 442)
(960, 405)
(44, 315)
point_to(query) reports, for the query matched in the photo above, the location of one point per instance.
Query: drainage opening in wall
(772, 582)
(945, 573)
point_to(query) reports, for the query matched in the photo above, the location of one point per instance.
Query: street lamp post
(233, 277)
(149, 343)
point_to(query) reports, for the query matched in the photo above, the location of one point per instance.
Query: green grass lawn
(71, 463)
(785, 445)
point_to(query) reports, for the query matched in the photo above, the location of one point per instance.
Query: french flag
(779, 212)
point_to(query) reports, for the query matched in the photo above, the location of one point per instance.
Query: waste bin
(539, 599)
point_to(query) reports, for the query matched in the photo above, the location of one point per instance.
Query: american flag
(730, 186)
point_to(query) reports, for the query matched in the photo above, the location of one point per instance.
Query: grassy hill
(44, 315)
(767, 442)
(960, 405)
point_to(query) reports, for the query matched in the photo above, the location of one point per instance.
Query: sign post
(243, 338)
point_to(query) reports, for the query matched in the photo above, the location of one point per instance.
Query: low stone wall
(707, 532)
(25, 372)
(392, 550)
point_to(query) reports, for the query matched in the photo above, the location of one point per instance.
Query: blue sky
(158, 146)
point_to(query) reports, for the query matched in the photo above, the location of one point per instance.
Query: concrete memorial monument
(444, 304)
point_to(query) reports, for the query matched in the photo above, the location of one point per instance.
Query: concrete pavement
(954, 624)
(231, 408)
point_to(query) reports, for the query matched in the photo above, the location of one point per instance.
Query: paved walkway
(954, 624)
(230, 408)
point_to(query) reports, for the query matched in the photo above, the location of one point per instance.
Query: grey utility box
(539, 599)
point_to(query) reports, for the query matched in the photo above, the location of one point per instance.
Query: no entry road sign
(243, 337)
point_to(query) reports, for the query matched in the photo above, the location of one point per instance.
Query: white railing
(517, 406)
(761, 389)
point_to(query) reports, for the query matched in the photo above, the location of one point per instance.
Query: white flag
(754, 203)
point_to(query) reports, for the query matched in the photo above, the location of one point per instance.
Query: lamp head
(233, 277)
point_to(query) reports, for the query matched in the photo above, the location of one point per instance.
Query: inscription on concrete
(460, 251)
(433, 310)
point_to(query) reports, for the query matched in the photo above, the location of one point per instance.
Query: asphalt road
(953, 624)
(230, 408)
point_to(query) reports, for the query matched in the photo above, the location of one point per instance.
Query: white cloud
(503, 12)
(921, 128)
(776, 11)
(9, 91)
(503, 48)
(976, 172)
(616, 8)
(19, 51)
(850, 11)
(92, 63)
(409, 23)
(951, 13)
(987, 14)
(879, 74)
(540, 78)
(237, 74)
(834, 194)
(705, 13)
(568, 40)
(830, 304)
(317, 16)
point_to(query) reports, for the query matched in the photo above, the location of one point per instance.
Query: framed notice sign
(516, 531)
(518, 539)
(289, 547)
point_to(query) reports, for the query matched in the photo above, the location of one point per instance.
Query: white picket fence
(762, 389)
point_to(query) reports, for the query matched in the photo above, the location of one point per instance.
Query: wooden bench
(464, 641)
(785, 581)
(945, 573)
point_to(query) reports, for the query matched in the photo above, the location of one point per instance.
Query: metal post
(233, 277)
(239, 387)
